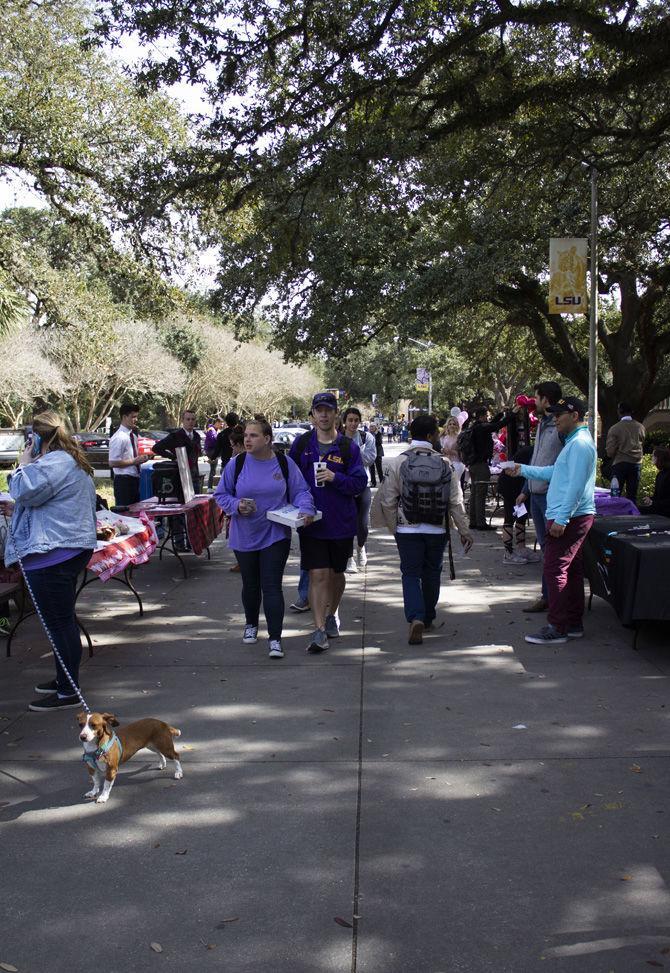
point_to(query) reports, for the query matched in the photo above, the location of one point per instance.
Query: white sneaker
(250, 634)
(513, 558)
(276, 651)
(351, 567)
(362, 557)
(531, 556)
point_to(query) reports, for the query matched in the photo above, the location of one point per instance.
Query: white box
(289, 516)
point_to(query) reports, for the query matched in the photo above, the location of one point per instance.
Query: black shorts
(318, 552)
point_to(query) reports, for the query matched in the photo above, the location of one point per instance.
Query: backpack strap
(239, 463)
(303, 442)
(283, 466)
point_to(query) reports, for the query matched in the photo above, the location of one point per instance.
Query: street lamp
(427, 344)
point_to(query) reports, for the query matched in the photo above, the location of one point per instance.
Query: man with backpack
(333, 469)
(416, 502)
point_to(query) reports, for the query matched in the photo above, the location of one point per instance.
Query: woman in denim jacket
(53, 534)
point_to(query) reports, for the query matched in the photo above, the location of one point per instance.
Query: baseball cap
(571, 404)
(324, 398)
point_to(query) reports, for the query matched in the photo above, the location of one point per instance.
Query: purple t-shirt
(31, 562)
(263, 481)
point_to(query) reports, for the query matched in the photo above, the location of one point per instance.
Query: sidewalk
(481, 804)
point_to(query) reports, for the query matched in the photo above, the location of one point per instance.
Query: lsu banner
(567, 269)
(422, 379)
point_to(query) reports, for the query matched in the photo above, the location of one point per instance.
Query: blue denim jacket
(55, 507)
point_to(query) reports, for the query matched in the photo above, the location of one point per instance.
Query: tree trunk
(634, 352)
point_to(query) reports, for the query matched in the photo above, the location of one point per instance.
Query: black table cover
(627, 562)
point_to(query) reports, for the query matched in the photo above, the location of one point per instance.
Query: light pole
(427, 344)
(593, 311)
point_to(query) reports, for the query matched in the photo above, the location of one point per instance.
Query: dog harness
(92, 758)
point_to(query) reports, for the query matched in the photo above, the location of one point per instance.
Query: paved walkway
(473, 804)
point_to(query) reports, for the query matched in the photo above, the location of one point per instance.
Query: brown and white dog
(105, 750)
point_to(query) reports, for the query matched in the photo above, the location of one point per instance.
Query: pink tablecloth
(116, 556)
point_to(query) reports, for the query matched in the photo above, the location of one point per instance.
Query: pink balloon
(462, 416)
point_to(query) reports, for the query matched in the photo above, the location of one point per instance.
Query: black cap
(571, 404)
(324, 398)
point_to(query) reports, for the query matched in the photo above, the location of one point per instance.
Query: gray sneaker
(300, 605)
(318, 642)
(276, 651)
(332, 630)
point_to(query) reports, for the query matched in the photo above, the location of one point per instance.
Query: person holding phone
(251, 484)
(52, 534)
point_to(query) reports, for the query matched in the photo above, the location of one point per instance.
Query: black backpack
(425, 481)
(465, 444)
(283, 466)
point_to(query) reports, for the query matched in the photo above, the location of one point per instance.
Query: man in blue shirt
(570, 512)
(327, 544)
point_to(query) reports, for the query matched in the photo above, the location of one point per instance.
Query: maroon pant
(564, 573)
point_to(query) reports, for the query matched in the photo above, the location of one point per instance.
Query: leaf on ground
(636, 768)
(626, 878)
(157, 948)
(8, 968)
(665, 951)
(327, 710)
(157, 845)
(343, 922)
(184, 852)
(224, 922)
(654, 962)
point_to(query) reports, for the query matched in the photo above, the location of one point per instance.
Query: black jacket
(379, 443)
(482, 440)
(660, 501)
(166, 447)
(222, 447)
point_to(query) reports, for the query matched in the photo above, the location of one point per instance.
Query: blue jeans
(628, 475)
(262, 575)
(303, 586)
(55, 589)
(538, 511)
(363, 504)
(421, 557)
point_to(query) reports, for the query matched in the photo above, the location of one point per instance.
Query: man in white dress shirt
(124, 459)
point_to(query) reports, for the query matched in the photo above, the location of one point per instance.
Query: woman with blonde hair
(53, 536)
(448, 439)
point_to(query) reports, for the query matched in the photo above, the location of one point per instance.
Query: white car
(285, 436)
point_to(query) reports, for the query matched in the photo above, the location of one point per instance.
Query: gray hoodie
(547, 447)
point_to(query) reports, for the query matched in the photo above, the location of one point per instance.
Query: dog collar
(92, 758)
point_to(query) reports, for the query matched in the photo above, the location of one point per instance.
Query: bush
(647, 477)
(658, 437)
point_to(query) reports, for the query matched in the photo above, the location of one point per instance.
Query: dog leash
(44, 624)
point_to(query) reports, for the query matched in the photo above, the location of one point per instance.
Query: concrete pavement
(479, 803)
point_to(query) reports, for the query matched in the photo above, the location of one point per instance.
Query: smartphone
(36, 443)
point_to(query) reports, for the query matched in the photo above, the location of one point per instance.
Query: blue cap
(324, 398)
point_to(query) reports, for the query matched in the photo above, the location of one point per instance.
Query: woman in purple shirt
(261, 546)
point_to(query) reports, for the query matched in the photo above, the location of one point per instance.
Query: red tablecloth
(118, 554)
(204, 519)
